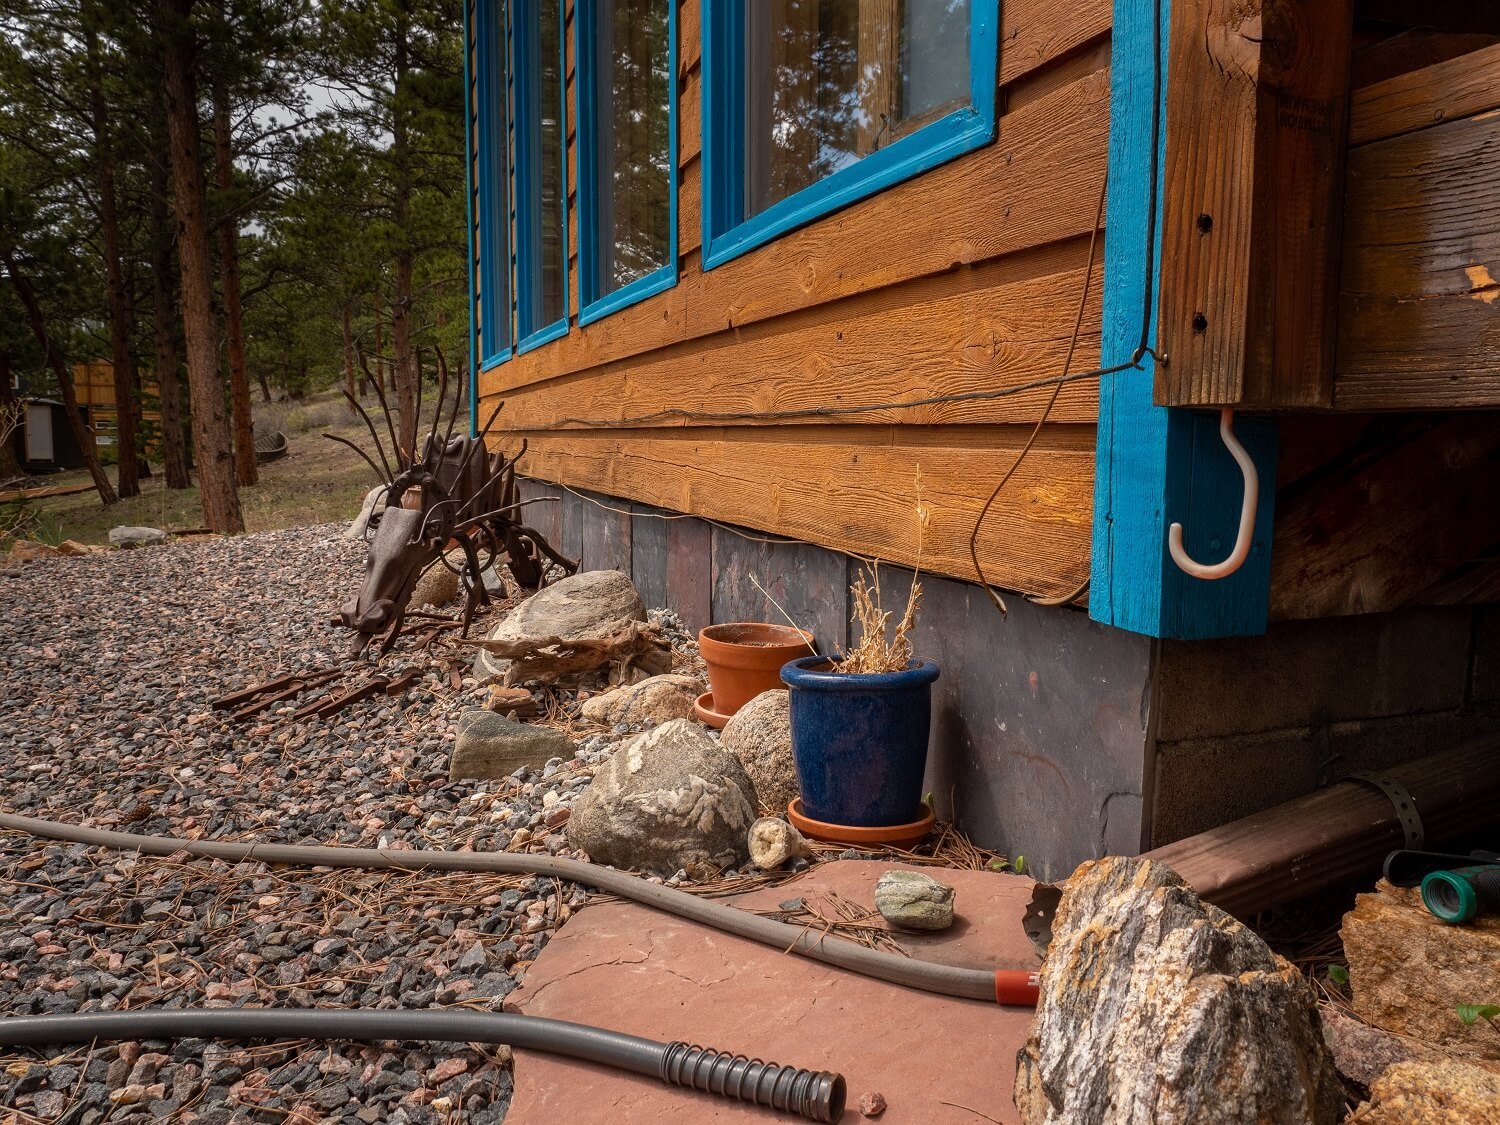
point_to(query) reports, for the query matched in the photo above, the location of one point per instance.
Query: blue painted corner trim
(1156, 465)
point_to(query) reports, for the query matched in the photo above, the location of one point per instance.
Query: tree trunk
(211, 452)
(81, 433)
(163, 322)
(379, 345)
(349, 356)
(9, 466)
(229, 278)
(401, 351)
(122, 356)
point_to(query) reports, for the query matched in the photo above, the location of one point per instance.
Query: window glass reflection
(830, 81)
(632, 142)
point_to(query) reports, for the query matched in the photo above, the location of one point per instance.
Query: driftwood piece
(639, 644)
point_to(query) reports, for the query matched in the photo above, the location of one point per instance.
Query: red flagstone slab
(632, 969)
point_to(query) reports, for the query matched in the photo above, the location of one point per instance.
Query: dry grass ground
(317, 482)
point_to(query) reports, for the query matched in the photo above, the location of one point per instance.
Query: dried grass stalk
(880, 649)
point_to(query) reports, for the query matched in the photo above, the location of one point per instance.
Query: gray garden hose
(813, 1095)
(1004, 986)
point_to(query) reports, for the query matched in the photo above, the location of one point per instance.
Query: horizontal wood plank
(689, 35)
(1419, 99)
(1035, 32)
(855, 489)
(1007, 324)
(1413, 49)
(1419, 323)
(690, 208)
(1404, 509)
(1037, 184)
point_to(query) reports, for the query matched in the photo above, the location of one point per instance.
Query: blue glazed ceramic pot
(860, 741)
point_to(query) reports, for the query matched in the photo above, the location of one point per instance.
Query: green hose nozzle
(1462, 893)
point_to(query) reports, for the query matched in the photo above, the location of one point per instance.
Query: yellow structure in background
(94, 383)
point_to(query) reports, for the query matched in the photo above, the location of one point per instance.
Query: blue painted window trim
(491, 86)
(590, 177)
(525, 48)
(726, 233)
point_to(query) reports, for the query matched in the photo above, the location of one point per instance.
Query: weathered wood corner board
(1329, 253)
(1301, 272)
(1331, 239)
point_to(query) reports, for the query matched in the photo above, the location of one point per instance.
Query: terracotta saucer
(703, 707)
(895, 835)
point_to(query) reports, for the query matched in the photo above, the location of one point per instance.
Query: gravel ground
(107, 667)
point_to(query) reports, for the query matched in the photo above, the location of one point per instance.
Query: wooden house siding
(965, 278)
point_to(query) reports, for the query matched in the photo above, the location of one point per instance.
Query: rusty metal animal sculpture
(456, 494)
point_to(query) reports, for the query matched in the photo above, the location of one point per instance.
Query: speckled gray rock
(659, 699)
(759, 734)
(490, 745)
(438, 585)
(125, 536)
(914, 901)
(592, 604)
(1159, 1009)
(669, 799)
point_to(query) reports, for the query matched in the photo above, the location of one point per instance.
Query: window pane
(830, 81)
(632, 141)
(542, 198)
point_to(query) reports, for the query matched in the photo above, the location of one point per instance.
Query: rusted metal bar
(300, 680)
(375, 685)
(266, 702)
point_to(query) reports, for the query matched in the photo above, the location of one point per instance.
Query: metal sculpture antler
(455, 494)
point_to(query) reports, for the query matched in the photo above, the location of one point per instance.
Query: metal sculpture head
(455, 494)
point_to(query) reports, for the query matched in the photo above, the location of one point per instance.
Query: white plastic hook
(1246, 534)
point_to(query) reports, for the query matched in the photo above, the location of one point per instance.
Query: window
(541, 174)
(810, 105)
(627, 148)
(491, 180)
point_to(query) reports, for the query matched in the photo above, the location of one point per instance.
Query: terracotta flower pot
(744, 658)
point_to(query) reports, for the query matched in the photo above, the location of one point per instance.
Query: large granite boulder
(1409, 972)
(1159, 1009)
(493, 746)
(590, 605)
(659, 699)
(1448, 1092)
(759, 734)
(669, 799)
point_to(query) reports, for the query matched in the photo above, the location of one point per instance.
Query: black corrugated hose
(812, 1095)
